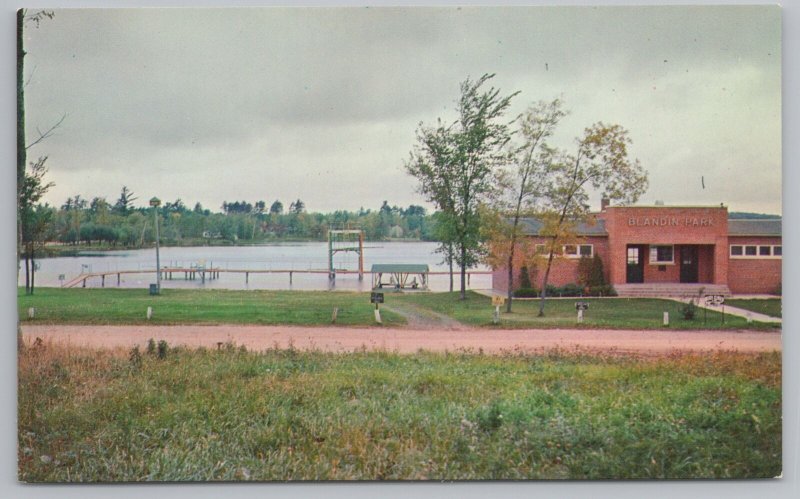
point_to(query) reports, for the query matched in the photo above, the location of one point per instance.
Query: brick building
(652, 250)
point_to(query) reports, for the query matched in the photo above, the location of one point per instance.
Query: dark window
(737, 251)
(750, 250)
(764, 251)
(777, 250)
(586, 250)
(661, 254)
(570, 249)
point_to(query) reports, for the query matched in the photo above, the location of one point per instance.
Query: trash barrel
(153, 289)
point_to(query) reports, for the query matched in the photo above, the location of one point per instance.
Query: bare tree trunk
(510, 290)
(450, 261)
(21, 153)
(544, 281)
(27, 274)
(463, 272)
(33, 267)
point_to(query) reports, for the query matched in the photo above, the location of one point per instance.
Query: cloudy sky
(322, 104)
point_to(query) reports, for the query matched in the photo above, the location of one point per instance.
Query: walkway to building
(739, 312)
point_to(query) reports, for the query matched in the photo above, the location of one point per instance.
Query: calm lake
(288, 256)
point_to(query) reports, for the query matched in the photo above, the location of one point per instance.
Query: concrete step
(671, 290)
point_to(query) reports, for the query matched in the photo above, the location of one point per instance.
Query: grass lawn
(87, 415)
(615, 313)
(768, 306)
(179, 306)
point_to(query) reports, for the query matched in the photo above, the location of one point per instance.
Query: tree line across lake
(122, 225)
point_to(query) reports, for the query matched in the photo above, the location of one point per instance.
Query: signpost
(377, 299)
(497, 302)
(715, 301)
(580, 306)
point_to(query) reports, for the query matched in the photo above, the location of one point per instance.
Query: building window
(754, 251)
(579, 250)
(567, 250)
(662, 255)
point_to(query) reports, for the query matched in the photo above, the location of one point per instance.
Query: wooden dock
(203, 274)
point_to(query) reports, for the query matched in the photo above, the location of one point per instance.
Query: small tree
(34, 220)
(522, 186)
(601, 162)
(455, 165)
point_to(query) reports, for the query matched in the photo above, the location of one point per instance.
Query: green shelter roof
(403, 268)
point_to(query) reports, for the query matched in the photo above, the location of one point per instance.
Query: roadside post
(497, 302)
(377, 299)
(580, 306)
(155, 203)
(715, 301)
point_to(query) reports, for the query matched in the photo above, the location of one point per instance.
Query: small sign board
(715, 300)
(376, 298)
(498, 300)
(61, 277)
(581, 305)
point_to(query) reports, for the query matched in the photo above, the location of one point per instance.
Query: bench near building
(667, 250)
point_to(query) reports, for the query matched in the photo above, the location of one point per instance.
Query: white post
(496, 317)
(580, 315)
(666, 318)
(149, 312)
(31, 313)
(378, 316)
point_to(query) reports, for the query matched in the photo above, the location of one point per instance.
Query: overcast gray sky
(322, 104)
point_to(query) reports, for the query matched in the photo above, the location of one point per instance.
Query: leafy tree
(32, 222)
(123, 204)
(600, 162)
(276, 208)
(455, 165)
(297, 207)
(524, 185)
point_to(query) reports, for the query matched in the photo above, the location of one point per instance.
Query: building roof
(532, 226)
(402, 268)
(754, 227)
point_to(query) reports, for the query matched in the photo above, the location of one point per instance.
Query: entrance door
(635, 267)
(688, 263)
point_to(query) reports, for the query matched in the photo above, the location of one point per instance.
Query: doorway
(635, 266)
(688, 264)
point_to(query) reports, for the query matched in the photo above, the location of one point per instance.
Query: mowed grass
(179, 306)
(89, 416)
(768, 306)
(315, 308)
(613, 313)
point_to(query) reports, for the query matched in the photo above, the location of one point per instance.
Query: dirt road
(341, 339)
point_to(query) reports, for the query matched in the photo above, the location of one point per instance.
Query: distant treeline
(97, 222)
(746, 215)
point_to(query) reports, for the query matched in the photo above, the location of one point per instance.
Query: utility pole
(155, 203)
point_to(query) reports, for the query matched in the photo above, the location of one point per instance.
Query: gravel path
(342, 339)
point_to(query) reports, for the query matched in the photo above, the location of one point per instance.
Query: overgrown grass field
(613, 313)
(87, 416)
(185, 306)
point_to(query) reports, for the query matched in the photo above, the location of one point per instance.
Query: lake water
(288, 256)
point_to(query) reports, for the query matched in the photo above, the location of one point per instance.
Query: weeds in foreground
(229, 414)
